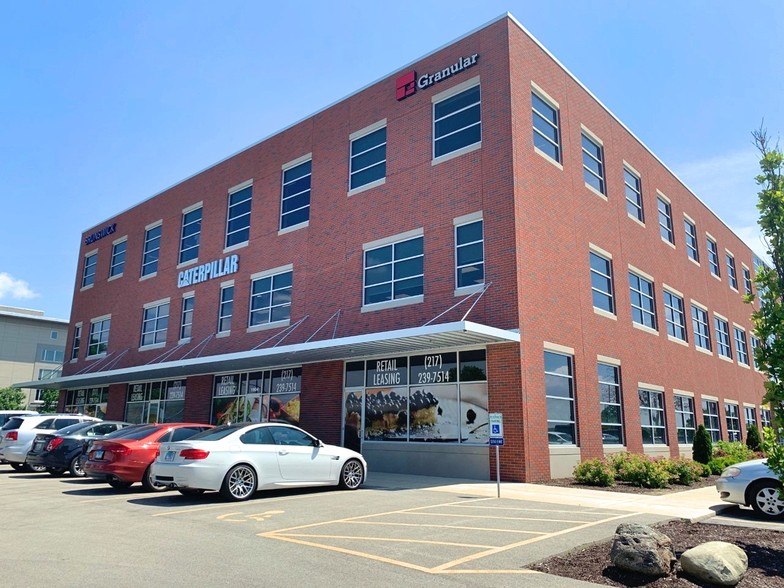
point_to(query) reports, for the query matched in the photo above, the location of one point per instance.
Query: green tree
(11, 399)
(702, 449)
(50, 398)
(769, 319)
(753, 440)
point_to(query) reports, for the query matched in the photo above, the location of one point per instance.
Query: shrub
(617, 462)
(684, 471)
(595, 472)
(753, 441)
(640, 470)
(734, 449)
(702, 450)
(717, 464)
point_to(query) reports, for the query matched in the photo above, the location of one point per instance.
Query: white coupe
(236, 460)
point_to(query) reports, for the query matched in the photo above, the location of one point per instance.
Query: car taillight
(12, 436)
(194, 454)
(116, 449)
(54, 443)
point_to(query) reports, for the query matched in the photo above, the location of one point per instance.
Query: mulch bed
(591, 563)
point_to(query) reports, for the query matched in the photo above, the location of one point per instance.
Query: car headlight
(730, 472)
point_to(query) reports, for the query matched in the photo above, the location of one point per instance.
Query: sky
(104, 104)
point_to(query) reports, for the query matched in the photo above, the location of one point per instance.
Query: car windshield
(71, 429)
(13, 423)
(125, 431)
(217, 432)
(137, 433)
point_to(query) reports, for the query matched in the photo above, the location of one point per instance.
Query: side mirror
(318, 443)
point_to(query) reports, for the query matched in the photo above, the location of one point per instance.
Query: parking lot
(66, 531)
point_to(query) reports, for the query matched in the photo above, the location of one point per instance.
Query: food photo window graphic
(258, 397)
(439, 397)
(89, 401)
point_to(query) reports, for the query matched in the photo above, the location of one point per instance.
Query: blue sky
(107, 103)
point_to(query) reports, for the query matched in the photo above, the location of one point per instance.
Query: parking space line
(390, 540)
(491, 529)
(228, 505)
(495, 550)
(465, 516)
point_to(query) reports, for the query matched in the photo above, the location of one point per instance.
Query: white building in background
(32, 347)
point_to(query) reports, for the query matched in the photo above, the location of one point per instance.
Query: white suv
(18, 433)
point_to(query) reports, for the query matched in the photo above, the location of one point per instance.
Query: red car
(125, 460)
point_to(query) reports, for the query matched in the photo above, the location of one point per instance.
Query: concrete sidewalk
(693, 505)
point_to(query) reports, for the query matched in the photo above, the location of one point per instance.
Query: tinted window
(258, 436)
(60, 423)
(102, 429)
(289, 436)
(13, 423)
(46, 424)
(141, 433)
(71, 429)
(185, 433)
(128, 432)
(217, 432)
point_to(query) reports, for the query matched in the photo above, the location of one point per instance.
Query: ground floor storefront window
(258, 397)
(437, 397)
(156, 402)
(89, 401)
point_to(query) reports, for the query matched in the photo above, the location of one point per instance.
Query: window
(684, 419)
(674, 315)
(457, 122)
(692, 250)
(117, 266)
(99, 337)
(747, 280)
(52, 355)
(368, 158)
(750, 414)
(741, 347)
(732, 414)
(643, 307)
(593, 164)
(295, 196)
(731, 274)
(654, 431)
(152, 247)
(88, 272)
(155, 321)
(186, 317)
(546, 134)
(765, 417)
(710, 418)
(469, 254)
(53, 335)
(610, 404)
(270, 299)
(601, 283)
(77, 342)
(238, 217)
(633, 188)
(713, 257)
(394, 271)
(722, 338)
(699, 324)
(191, 235)
(754, 345)
(225, 308)
(665, 220)
(559, 391)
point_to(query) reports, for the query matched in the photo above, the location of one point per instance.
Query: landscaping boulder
(716, 562)
(639, 548)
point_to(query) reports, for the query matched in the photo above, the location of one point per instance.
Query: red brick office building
(475, 233)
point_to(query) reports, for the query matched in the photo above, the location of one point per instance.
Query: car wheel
(190, 491)
(19, 467)
(35, 468)
(351, 475)
(120, 484)
(149, 484)
(239, 484)
(56, 471)
(765, 500)
(76, 468)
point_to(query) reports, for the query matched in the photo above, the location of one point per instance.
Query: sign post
(496, 422)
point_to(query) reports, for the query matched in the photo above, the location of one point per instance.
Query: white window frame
(89, 269)
(229, 218)
(536, 114)
(183, 226)
(723, 337)
(186, 316)
(103, 336)
(701, 327)
(606, 256)
(666, 229)
(741, 345)
(681, 418)
(445, 95)
(732, 418)
(225, 309)
(651, 391)
(458, 223)
(588, 172)
(151, 324)
(114, 262)
(284, 169)
(644, 312)
(732, 270)
(76, 342)
(637, 206)
(394, 302)
(713, 256)
(271, 274)
(691, 239)
(671, 314)
(711, 418)
(353, 138)
(148, 249)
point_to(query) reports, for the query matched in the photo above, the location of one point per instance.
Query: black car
(62, 450)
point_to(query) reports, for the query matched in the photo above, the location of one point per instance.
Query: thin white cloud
(726, 184)
(15, 289)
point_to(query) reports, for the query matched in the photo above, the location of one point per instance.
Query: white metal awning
(402, 341)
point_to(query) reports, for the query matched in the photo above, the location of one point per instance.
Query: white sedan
(236, 460)
(752, 483)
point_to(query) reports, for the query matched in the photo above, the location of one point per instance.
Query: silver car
(752, 483)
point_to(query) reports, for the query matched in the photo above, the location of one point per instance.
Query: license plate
(169, 456)
(39, 445)
(99, 454)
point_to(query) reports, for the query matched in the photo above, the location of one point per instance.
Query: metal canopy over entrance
(430, 337)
